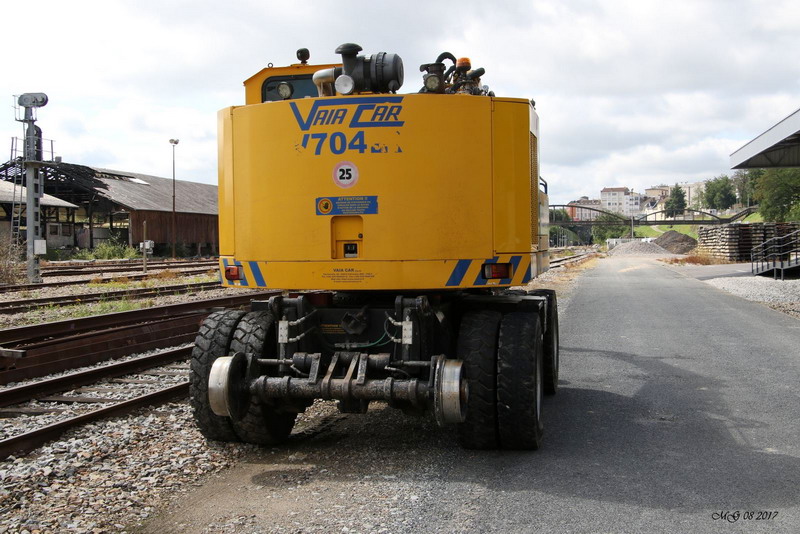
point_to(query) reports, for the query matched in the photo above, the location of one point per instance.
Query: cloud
(630, 93)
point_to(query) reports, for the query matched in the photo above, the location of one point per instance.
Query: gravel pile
(638, 248)
(676, 242)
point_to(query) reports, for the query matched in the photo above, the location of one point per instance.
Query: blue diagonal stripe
(243, 281)
(257, 276)
(222, 274)
(528, 274)
(480, 280)
(458, 273)
(514, 264)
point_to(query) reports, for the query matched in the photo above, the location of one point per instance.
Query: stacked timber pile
(676, 242)
(734, 242)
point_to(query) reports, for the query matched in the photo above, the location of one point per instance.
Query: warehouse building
(130, 206)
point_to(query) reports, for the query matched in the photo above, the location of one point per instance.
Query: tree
(745, 182)
(559, 215)
(718, 193)
(601, 232)
(676, 203)
(778, 193)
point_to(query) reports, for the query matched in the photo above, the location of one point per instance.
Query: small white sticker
(345, 174)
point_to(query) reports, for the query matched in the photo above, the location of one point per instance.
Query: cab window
(302, 83)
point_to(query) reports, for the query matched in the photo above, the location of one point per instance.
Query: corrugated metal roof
(7, 196)
(144, 192)
(777, 147)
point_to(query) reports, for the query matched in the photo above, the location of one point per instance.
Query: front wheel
(477, 348)
(212, 341)
(262, 423)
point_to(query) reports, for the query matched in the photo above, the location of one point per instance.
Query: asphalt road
(678, 402)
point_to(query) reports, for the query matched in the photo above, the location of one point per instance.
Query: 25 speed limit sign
(345, 174)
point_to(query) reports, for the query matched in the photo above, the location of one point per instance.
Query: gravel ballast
(638, 248)
(111, 475)
(781, 295)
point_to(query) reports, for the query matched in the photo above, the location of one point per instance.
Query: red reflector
(496, 270)
(234, 272)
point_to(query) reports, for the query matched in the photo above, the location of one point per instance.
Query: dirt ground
(339, 472)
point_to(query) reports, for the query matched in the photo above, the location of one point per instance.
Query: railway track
(129, 277)
(142, 386)
(560, 262)
(95, 268)
(39, 350)
(23, 305)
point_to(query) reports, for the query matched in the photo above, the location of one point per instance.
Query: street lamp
(173, 142)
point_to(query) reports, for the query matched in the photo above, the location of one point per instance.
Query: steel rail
(30, 441)
(104, 270)
(130, 277)
(23, 305)
(121, 267)
(560, 262)
(30, 333)
(120, 262)
(80, 351)
(26, 392)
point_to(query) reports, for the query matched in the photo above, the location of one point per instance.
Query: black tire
(477, 348)
(263, 424)
(550, 346)
(212, 341)
(519, 381)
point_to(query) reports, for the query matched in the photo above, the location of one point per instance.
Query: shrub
(10, 262)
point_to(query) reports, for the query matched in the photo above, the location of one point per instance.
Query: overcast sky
(630, 93)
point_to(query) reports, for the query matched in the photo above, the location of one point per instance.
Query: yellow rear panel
(376, 191)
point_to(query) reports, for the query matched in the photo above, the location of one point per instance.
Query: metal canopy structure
(777, 147)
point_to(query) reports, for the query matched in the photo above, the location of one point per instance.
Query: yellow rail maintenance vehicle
(402, 220)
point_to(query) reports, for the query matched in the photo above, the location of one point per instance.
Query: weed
(166, 275)
(697, 259)
(10, 262)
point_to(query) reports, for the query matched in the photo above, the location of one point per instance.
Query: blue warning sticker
(360, 205)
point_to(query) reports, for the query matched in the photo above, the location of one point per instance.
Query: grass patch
(754, 217)
(109, 306)
(647, 231)
(567, 252)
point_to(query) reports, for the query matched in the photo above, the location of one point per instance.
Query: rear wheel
(550, 345)
(262, 424)
(212, 341)
(519, 381)
(477, 348)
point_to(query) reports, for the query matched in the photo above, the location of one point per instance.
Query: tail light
(233, 272)
(496, 270)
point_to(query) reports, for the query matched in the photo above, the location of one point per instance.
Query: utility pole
(173, 142)
(33, 185)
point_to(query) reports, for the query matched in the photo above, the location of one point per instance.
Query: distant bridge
(659, 217)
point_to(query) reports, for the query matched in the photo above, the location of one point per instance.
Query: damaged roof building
(130, 206)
